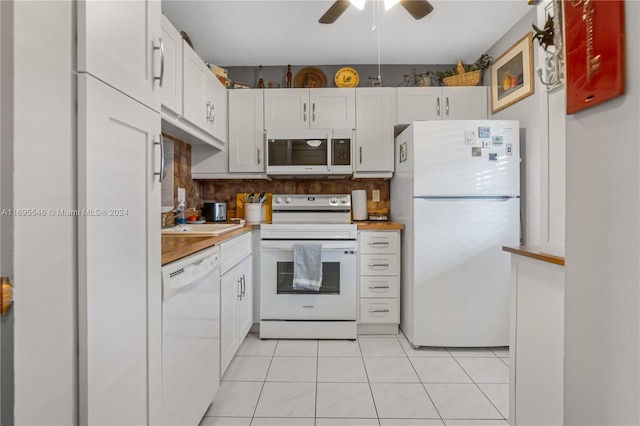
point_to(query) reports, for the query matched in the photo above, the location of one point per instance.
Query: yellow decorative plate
(346, 77)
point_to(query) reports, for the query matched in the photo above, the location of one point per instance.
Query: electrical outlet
(375, 195)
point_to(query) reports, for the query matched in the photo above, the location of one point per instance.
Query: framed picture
(512, 74)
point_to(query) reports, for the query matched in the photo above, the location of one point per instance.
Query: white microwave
(310, 152)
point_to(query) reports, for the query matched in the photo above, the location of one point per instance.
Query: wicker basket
(471, 78)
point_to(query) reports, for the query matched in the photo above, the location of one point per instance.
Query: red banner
(594, 46)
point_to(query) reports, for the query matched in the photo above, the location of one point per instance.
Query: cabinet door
(172, 81)
(245, 305)
(246, 130)
(286, 109)
(194, 95)
(119, 43)
(333, 108)
(464, 103)
(230, 294)
(118, 254)
(216, 95)
(374, 129)
(419, 103)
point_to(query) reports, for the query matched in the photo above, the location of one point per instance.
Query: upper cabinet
(375, 111)
(203, 95)
(309, 108)
(194, 102)
(246, 130)
(441, 103)
(111, 51)
(172, 82)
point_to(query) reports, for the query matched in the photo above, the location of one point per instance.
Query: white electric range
(329, 313)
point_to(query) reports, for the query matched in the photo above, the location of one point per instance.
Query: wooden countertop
(375, 225)
(175, 247)
(534, 253)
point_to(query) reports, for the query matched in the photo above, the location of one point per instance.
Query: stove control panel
(311, 201)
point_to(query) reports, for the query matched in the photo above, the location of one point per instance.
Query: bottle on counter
(181, 216)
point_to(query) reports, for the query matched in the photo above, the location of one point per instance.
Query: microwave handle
(329, 150)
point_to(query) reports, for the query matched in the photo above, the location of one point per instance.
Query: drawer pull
(375, 287)
(379, 265)
(379, 243)
(378, 311)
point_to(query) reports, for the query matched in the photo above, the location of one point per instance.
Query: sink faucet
(166, 214)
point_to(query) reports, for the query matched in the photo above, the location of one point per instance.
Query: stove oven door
(336, 299)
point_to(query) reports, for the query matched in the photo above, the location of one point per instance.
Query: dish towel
(307, 266)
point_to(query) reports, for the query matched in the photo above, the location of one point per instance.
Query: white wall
(42, 134)
(602, 323)
(527, 111)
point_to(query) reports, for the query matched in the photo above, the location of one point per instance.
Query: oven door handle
(285, 245)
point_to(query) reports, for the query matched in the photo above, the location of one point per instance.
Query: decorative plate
(347, 77)
(310, 77)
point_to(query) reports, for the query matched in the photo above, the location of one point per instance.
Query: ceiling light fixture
(358, 3)
(388, 4)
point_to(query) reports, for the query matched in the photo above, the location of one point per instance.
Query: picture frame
(512, 76)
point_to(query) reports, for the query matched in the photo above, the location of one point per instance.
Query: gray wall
(527, 111)
(602, 305)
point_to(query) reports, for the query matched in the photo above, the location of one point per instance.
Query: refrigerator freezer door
(466, 157)
(461, 280)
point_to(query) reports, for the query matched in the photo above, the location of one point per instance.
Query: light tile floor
(374, 381)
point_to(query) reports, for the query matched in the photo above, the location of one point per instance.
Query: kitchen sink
(211, 229)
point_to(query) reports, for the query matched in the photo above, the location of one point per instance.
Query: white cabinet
(379, 283)
(441, 103)
(204, 97)
(309, 108)
(536, 342)
(119, 44)
(246, 131)
(236, 309)
(118, 254)
(194, 102)
(171, 92)
(375, 112)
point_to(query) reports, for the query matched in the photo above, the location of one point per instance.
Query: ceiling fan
(417, 8)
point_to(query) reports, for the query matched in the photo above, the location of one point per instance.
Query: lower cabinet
(536, 342)
(236, 306)
(379, 281)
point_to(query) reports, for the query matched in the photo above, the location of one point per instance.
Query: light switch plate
(375, 195)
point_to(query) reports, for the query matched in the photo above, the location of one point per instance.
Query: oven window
(330, 279)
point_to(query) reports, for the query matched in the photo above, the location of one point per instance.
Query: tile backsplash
(225, 190)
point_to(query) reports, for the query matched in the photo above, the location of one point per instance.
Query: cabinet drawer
(379, 286)
(379, 264)
(379, 311)
(233, 251)
(379, 242)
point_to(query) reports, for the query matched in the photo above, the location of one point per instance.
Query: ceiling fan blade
(417, 8)
(334, 12)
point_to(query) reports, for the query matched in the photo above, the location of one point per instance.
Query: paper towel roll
(359, 204)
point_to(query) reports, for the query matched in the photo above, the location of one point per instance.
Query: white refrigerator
(456, 189)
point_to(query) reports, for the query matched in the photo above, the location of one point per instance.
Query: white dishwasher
(190, 336)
